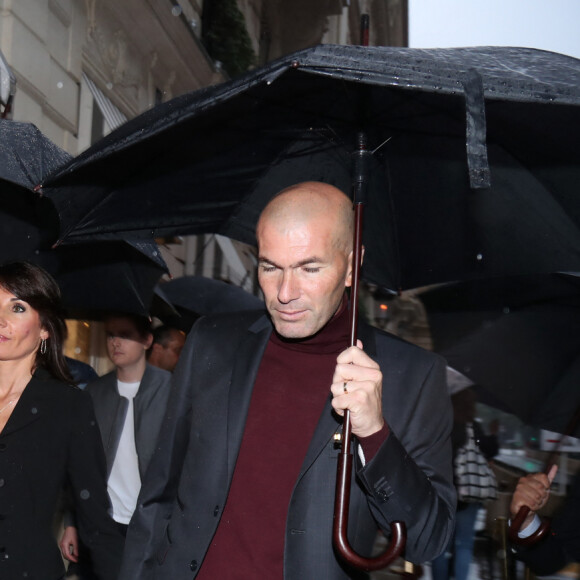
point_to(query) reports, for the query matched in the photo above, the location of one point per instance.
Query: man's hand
(363, 394)
(69, 544)
(532, 491)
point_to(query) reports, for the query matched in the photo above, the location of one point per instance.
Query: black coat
(182, 497)
(52, 439)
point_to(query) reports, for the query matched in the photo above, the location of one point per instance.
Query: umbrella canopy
(456, 310)
(113, 275)
(195, 296)
(28, 156)
(474, 171)
(99, 277)
(520, 345)
(27, 222)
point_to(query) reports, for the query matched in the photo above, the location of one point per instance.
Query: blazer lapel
(245, 370)
(327, 426)
(32, 404)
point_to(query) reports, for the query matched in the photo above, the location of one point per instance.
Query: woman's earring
(43, 346)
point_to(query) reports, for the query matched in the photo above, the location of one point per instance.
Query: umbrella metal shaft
(343, 480)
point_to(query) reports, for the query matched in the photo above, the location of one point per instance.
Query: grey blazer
(182, 498)
(149, 408)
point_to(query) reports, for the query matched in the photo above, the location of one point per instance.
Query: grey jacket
(182, 498)
(149, 408)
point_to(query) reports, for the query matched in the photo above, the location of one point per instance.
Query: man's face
(302, 274)
(125, 346)
(166, 357)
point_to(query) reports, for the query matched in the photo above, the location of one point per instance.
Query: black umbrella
(27, 155)
(208, 296)
(517, 339)
(195, 296)
(98, 277)
(27, 222)
(93, 277)
(440, 121)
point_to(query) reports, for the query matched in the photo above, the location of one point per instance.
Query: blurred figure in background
(82, 373)
(48, 436)
(167, 346)
(129, 405)
(455, 561)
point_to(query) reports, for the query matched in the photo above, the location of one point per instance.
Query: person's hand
(69, 544)
(363, 394)
(532, 491)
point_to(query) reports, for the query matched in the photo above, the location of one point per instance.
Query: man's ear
(348, 281)
(148, 342)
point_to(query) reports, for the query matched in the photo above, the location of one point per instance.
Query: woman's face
(20, 328)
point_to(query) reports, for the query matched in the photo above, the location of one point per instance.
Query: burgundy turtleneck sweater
(291, 389)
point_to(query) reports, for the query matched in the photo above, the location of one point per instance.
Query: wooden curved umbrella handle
(340, 526)
(517, 524)
(343, 476)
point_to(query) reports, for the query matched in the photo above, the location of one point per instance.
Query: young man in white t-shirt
(129, 405)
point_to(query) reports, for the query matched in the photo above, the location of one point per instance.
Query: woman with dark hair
(48, 436)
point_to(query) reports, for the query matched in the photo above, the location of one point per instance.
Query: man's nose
(288, 289)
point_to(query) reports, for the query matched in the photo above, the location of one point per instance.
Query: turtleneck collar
(331, 338)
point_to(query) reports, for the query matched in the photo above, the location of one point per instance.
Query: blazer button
(193, 565)
(3, 446)
(2, 482)
(216, 511)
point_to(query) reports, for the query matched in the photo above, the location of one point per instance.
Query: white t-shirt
(124, 481)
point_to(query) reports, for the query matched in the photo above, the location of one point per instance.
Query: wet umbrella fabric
(99, 277)
(94, 277)
(208, 296)
(181, 301)
(27, 155)
(27, 222)
(520, 346)
(443, 121)
(456, 310)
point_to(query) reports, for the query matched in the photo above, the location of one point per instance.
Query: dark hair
(37, 287)
(464, 405)
(141, 323)
(162, 335)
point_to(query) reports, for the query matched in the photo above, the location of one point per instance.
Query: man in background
(166, 348)
(129, 404)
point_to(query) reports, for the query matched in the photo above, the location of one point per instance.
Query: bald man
(166, 347)
(243, 482)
